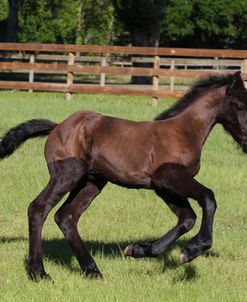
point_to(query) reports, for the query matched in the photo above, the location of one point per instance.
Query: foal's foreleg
(177, 179)
(186, 220)
(67, 218)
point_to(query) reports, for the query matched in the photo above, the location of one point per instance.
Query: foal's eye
(240, 107)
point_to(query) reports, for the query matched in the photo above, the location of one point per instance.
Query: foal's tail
(14, 137)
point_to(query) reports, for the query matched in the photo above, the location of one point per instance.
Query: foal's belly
(132, 182)
(126, 176)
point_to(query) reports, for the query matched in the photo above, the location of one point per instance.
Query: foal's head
(234, 114)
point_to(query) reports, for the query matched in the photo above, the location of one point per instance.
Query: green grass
(117, 217)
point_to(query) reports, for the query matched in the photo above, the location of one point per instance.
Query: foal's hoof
(183, 258)
(93, 274)
(128, 252)
(38, 277)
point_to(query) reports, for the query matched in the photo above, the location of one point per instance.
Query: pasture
(118, 217)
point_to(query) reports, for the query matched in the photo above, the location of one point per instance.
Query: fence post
(102, 75)
(156, 80)
(244, 70)
(70, 76)
(172, 79)
(31, 72)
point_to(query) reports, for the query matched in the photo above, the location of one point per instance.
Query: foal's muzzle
(244, 147)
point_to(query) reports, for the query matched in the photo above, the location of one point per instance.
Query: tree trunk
(110, 30)
(143, 21)
(12, 21)
(79, 25)
(145, 37)
(3, 26)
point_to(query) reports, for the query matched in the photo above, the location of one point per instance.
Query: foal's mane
(198, 88)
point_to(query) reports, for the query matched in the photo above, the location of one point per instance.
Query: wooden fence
(105, 61)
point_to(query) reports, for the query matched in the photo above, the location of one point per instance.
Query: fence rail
(104, 61)
(154, 51)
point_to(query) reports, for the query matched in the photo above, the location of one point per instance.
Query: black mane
(198, 88)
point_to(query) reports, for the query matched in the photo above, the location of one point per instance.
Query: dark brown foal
(88, 149)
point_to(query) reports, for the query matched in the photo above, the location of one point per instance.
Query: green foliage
(98, 18)
(142, 19)
(48, 21)
(205, 23)
(3, 9)
(59, 21)
(191, 23)
(139, 13)
(177, 22)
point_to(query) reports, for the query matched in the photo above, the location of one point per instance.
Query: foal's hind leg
(67, 218)
(186, 220)
(65, 175)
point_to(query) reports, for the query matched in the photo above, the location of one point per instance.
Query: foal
(88, 149)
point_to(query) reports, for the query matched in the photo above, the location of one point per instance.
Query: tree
(48, 21)
(12, 21)
(62, 21)
(99, 22)
(3, 18)
(205, 24)
(4, 9)
(142, 18)
(9, 26)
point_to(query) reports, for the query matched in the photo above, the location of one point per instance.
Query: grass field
(118, 217)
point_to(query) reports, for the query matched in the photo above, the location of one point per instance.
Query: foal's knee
(209, 202)
(189, 222)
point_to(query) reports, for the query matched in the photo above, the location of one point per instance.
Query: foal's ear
(237, 77)
(237, 82)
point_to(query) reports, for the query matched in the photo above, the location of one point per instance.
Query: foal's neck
(201, 115)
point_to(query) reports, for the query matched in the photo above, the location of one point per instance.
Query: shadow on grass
(189, 273)
(59, 251)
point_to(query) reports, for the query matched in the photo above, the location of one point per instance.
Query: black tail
(14, 137)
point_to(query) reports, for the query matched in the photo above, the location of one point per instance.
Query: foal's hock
(88, 149)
